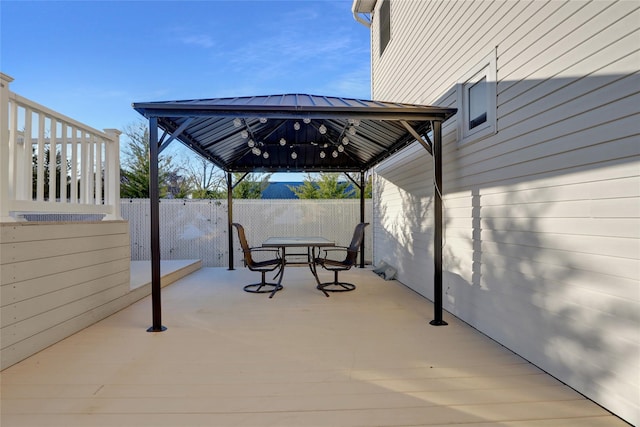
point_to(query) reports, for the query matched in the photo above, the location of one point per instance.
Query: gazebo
(292, 133)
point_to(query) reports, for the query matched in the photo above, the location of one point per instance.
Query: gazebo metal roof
(293, 132)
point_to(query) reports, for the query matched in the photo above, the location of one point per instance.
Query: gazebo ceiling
(292, 132)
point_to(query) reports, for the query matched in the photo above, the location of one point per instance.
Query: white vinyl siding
(58, 278)
(542, 219)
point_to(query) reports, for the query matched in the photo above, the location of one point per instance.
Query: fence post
(7, 186)
(112, 175)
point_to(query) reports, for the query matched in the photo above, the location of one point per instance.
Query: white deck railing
(50, 163)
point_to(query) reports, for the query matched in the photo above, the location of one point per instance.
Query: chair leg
(335, 286)
(263, 287)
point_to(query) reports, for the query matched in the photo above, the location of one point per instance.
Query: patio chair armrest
(260, 249)
(334, 249)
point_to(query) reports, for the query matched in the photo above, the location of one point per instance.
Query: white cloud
(201, 40)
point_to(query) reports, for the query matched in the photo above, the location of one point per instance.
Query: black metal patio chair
(263, 266)
(329, 261)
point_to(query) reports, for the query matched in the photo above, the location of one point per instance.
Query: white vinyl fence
(197, 229)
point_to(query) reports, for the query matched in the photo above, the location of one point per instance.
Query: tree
(308, 189)
(208, 182)
(250, 187)
(61, 171)
(368, 187)
(327, 186)
(134, 176)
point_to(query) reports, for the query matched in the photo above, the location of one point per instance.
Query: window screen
(478, 103)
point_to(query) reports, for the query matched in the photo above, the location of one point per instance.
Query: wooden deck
(229, 358)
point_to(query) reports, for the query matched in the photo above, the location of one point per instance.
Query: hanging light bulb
(345, 141)
(306, 120)
(294, 155)
(340, 148)
(352, 130)
(237, 122)
(283, 142)
(334, 154)
(265, 155)
(355, 122)
(263, 120)
(244, 134)
(322, 155)
(251, 143)
(322, 129)
(296, 126)
(256, 151)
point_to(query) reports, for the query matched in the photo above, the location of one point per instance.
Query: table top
(303, 241)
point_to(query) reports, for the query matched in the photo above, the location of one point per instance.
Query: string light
(283, 142)
(237, 122)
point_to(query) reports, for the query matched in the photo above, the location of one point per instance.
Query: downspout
(360, 19)
(358, 16)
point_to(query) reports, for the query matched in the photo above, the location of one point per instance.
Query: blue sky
(91, 59)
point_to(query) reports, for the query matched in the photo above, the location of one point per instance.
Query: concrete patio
(229, 358)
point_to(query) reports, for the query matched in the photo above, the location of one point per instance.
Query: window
(385, 25)
(477, 101)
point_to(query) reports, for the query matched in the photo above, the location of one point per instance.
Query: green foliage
(134, 175)
(251, 187)
(308, 189)
(329, 186)
(368, 187)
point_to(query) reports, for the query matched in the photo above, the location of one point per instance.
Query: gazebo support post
(230, 217)
(361, 186)
(436, 126)
(362, 196)
(154, 201)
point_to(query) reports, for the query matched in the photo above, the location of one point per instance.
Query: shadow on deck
(230, 358)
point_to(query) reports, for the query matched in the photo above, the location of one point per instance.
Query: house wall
(58, 278)
(542, 218)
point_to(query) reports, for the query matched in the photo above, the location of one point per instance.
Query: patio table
(311, 243)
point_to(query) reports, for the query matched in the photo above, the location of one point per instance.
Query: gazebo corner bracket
(426, 144)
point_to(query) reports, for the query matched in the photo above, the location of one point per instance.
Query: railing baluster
(86, 159)
(98, 171)
(53, 160)
(40, 159)
(63, 162)
(13, 151)
(74, 165)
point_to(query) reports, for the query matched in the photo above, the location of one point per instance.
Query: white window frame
(485, 69)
